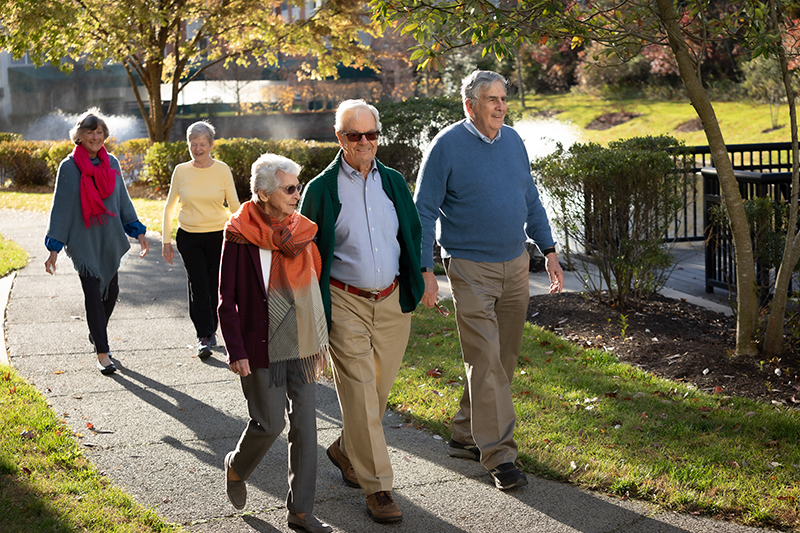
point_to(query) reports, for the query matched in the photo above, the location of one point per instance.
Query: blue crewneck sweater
(479, 198)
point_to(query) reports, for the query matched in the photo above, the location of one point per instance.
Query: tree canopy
(174, 41)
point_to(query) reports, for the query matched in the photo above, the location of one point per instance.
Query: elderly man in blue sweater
(475, 193)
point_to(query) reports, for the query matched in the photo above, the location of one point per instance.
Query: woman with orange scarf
(273, 323)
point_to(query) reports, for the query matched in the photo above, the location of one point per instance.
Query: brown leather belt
(373, 296)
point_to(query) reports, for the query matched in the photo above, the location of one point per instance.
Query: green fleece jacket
(321, 204)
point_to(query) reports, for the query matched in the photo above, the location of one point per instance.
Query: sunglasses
(291, 189)
(355, 137)
(445, 312)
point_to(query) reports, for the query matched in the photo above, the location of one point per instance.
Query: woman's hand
(144, 244)
(50, 263)
(241, 367)
(167, 252)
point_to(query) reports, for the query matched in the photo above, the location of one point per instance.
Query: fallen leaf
(58, 372)
(434, 372)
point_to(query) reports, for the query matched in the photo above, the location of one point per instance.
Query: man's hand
(431, 289)
(553, 268)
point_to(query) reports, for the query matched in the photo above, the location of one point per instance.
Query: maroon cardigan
(242, 311)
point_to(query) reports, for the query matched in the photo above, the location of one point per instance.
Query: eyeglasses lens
(292, 188)
(355, 137)
(442, 310)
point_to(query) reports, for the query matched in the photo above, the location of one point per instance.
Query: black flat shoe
(106, 370)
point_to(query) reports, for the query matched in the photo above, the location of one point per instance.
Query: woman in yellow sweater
(203, 186)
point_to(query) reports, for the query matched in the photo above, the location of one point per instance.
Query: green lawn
(585, 418)
(741, 122)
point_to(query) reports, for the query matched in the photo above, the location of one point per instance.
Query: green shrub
(160, 161)
(239, 154)
(7, 136)
(24, 163)
(403, 158)
(56, 152)
(616, 205)
(768, 221)
(130, 155)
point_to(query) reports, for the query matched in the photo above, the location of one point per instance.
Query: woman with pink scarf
(89, 219)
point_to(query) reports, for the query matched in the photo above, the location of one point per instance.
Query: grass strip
(46, 484)
(12, 256)
(586, 418)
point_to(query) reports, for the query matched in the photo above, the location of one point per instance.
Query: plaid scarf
(97, 184)
(297, 326)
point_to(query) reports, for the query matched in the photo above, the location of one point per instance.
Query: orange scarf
(297, 325)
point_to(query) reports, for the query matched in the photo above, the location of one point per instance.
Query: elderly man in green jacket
(369, 239)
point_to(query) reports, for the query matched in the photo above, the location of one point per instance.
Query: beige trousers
(368, 340)
(491, 302)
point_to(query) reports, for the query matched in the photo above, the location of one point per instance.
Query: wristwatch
(426, 269)
(548, 251)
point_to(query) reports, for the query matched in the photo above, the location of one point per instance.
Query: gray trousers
(266, 405)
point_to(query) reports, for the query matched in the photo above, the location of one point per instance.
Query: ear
(468, 106)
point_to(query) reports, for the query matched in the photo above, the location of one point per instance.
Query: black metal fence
(762, 170)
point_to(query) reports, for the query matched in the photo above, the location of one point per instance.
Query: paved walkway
(165, 420)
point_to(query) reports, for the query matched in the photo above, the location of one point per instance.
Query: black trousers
(99, 309)
(201, 254)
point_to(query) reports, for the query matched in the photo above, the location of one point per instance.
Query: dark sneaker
(507, 476)
(212, 343)
(340, 461)
(464, 451)
(382, 508)
(204, 347)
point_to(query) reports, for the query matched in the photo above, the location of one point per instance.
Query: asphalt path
(161, 426)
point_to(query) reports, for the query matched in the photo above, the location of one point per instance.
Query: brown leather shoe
(382, 508)
(341, 462)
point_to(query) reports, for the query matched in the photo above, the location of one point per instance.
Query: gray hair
(351, 108)
(264, 173)
(201, 128)
(476, 82)
(88, 121)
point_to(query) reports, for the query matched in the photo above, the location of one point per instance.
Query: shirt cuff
(53, 245)
(135, 228)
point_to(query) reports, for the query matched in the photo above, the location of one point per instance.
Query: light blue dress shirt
(473, 130)
(366, 252)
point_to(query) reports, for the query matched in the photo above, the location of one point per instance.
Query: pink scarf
(97, 183)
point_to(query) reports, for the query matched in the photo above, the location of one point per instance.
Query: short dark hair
(88, 121)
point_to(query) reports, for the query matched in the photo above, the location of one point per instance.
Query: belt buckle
(374, 296)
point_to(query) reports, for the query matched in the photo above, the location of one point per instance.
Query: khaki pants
(491, 301)
(368, 340)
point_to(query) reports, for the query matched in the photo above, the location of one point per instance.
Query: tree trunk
(773, 338)
(746, 290)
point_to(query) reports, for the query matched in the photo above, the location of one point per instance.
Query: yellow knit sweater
(201, 192)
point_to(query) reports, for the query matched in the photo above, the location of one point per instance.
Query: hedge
(32, 163)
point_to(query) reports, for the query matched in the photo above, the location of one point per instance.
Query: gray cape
(97, 250)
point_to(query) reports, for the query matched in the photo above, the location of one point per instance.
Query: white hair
(201, 128)
(355, 108)
(264, 173)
